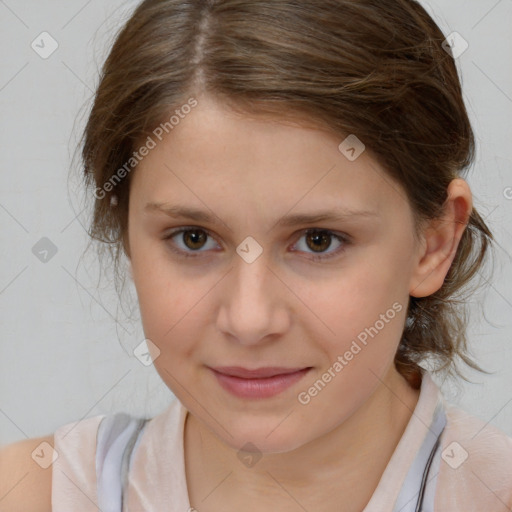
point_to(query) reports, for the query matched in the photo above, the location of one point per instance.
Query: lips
(259, 383)
(259, 373)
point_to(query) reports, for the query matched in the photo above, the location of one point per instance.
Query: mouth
(258, 383)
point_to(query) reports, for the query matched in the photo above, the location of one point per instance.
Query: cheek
(173, 302)
(364, 311)
(172, 315)
(162, 291)
(169, 305)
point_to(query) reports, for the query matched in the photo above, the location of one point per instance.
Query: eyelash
(344, 239)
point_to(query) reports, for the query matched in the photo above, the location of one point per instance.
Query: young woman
(285, 179)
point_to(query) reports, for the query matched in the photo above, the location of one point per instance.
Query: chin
(261, 439)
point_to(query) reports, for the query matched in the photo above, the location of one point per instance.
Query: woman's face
(241, 287)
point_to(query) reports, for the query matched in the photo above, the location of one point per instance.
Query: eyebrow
(185, 212)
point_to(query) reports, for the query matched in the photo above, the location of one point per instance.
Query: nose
(254, 305)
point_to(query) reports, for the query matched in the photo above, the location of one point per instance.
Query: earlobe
(441, 239)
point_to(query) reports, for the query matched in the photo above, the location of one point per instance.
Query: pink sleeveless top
(469, 463)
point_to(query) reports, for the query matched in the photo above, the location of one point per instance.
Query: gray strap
(414, 489)
(117, 435)
(430, 488)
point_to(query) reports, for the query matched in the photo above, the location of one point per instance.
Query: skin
(283, 309)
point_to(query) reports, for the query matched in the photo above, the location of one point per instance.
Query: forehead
(229, 158)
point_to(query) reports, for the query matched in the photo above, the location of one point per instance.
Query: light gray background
(63, 355)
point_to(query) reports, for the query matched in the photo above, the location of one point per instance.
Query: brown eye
(194, 239)
(318, 241)
(189, 241)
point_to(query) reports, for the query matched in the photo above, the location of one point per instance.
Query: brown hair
(374, 68)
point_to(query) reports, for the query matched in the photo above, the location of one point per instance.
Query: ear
(441, 239)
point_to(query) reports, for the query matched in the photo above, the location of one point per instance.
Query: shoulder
(26, 475)
(476, 461)
(90, 458)
(56, 472)
(74, 469)
(489, 445)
